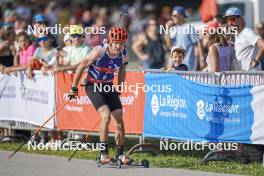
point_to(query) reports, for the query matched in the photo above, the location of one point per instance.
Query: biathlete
(102, 62)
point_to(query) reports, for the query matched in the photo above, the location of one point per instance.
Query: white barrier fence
(27, 101)
(241, 78)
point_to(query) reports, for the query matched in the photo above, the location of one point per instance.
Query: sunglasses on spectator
(76, 35)
(43, 39)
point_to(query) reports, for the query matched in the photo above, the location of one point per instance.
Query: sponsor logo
(200, 109)
(155, 105)
(217, 111)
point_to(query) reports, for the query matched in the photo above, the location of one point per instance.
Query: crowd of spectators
(24, 50)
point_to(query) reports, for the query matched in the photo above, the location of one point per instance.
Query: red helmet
(117, 34)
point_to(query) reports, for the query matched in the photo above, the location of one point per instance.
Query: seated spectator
(76, 52)
(177, 56)
(43, 54)
(220, 53)
(26, 51)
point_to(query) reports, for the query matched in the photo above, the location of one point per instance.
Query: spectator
(149, 47)
(260, 31)
(2, 33)
(23, 10)
(77, 51)
(26, 51)
(177, 57)
(188, 40)
(95, 37)
(7, 48)
(39, 25)
(219, 18)
(62, 52)
(9, 16)
(20, 25)
(165, 14)
(43, 54)
(249, 47)
(87, 19)
(220, 52)
(51, 12)
(39, 22)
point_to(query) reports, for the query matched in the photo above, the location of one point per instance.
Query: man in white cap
(249, 47)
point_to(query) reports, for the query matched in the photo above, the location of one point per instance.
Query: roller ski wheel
(145, 163)
(119, 163)
(98, 164)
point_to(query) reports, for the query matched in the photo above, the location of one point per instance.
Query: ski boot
(104, 159)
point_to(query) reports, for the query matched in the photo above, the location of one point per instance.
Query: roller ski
(126, 161)
(120, 161)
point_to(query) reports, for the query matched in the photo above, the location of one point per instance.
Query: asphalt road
(23, 164)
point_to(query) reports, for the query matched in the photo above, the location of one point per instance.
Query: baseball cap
(233, 11)
(39, 18)
(180, 10)
(177, 48)
(75, 29)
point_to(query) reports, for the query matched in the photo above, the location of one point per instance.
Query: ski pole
(88, 134)
(38, 129)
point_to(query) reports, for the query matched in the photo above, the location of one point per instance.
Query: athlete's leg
(105, 116)
(119, 124)
(120, 132)
(99, 102)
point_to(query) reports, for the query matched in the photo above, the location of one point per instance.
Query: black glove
(73, 94)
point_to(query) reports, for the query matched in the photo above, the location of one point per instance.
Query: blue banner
(180, 109)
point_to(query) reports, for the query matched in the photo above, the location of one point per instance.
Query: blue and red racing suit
(102, 72)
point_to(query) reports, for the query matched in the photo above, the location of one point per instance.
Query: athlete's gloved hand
(118, 93)
(73, 94)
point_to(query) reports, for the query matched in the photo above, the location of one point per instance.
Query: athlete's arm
(86, 62)
(122, 72)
